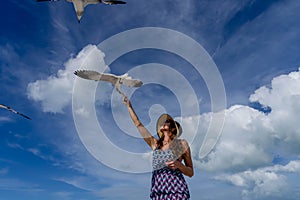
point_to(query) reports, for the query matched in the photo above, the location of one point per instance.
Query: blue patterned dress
(167, 184)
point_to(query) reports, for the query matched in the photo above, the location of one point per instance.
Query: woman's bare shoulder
(182, 142)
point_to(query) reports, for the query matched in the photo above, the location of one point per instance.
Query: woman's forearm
(133, 116)
(185, 169)
(188, 171)
(149, 139)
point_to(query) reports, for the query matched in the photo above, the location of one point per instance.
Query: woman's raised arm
(149, 139)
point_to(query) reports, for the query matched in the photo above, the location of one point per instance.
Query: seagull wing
(96, 76)
(110, 2)
(14, 111)
(115, 80)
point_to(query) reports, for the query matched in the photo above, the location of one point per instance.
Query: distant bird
(115, 80)
(79, 5)
(12, 110)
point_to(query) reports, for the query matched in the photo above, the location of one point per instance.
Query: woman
(168, 153)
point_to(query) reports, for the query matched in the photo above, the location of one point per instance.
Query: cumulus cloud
(55, 92)
(250, 136)
(283, 97)
(263, 182)
(243, 142)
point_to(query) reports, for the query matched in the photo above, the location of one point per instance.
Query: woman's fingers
(125, 100)
(172, 164)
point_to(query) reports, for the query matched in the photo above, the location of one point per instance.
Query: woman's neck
(167, 140)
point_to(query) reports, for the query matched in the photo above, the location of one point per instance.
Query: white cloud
(55, 92)
(240, 145)
(283, 96)
(264, 182)
(293, 167)
(250, 137)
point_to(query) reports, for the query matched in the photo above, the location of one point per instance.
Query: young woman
(171, 157)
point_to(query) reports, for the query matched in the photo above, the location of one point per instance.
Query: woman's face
(166, 127)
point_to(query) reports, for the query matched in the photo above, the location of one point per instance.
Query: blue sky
(255, 46)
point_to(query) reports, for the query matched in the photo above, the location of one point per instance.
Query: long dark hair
(173, 131)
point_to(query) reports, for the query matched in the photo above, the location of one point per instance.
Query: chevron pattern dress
(167, 184)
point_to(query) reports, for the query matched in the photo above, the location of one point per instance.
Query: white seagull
(79, 5)
(114, 79)
(12, 110)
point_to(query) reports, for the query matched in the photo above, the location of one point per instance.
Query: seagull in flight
(79, 5)
(115, 80)
(12, 110)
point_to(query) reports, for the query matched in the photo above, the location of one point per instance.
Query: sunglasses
(167, 121)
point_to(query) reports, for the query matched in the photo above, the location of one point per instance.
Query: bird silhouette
(79, 5)
(14, 111)
(115, 80)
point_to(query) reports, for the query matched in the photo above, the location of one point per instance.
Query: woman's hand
(174, 164)
(126, 101)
